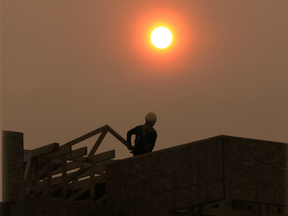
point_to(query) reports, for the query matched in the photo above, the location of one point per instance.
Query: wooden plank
(120, 138)
(36, 177)
(57, 180)
(104, 156)
(83, 190)
(69, 178)
(70, 166)
(55, 166)
(98, 158)
(63, 150)
(44, 150)
(27, 170)
(83, 183)
(31, 177)
(97, 170)
(49, 178)
(92, 184)
(76, 154)
(86, 136)
(28, 176)
(97, 144)
(64, 179)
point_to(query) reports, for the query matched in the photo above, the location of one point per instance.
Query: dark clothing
(145, 138)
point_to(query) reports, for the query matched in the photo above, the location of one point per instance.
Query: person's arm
(130, 133)
(153, 140)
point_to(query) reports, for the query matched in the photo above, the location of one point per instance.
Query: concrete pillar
(12, 171)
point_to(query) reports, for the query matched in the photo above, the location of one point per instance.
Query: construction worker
(145, 135)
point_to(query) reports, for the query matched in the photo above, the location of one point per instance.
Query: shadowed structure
(12, 173)
(221, 175)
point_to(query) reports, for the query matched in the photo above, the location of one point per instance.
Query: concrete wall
(12, 171)
(174, 178)
(221, 168)
(256, 170)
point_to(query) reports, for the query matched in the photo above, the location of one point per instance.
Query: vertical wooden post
(13, 172)
(92, 183)
(31, 175)
(49, 177)
(36, 177)
(27, 176)
(64, 179)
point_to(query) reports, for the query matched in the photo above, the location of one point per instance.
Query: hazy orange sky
(69, 67)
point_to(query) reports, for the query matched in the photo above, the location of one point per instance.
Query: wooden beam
(64, 179)
(86, 136)
(92, 184)
(75, 154)
(97, 158)
(86, 188)
(71, 166)
(31, 177)
(28, 176)
(57, 180)
(63, 150)
(55, 166)
(36, 177)
(120, 138)
(49, 178)
(69, 178)
(97, 170)
(83, 183)
(27, 171)
(104, 156)
(44, 150)
(97, 144)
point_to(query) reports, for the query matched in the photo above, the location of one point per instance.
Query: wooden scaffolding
(58, 172)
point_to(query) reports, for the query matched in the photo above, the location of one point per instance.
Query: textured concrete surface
(256, 170)
(173, 178)
(12, 171)
(199, 172)
(221, 168)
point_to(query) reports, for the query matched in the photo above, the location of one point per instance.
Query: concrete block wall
(174, 178)
(12, 171)
(220, 168)
(256, 170)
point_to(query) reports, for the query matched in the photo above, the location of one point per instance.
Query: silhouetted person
(145, 135)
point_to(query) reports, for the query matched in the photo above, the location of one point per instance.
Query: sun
(161, 37)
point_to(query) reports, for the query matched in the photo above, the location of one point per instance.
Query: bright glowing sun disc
(161, 37)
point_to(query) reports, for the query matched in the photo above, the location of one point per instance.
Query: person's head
(151, 119)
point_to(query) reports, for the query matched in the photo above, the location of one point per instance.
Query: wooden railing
(57, 172)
